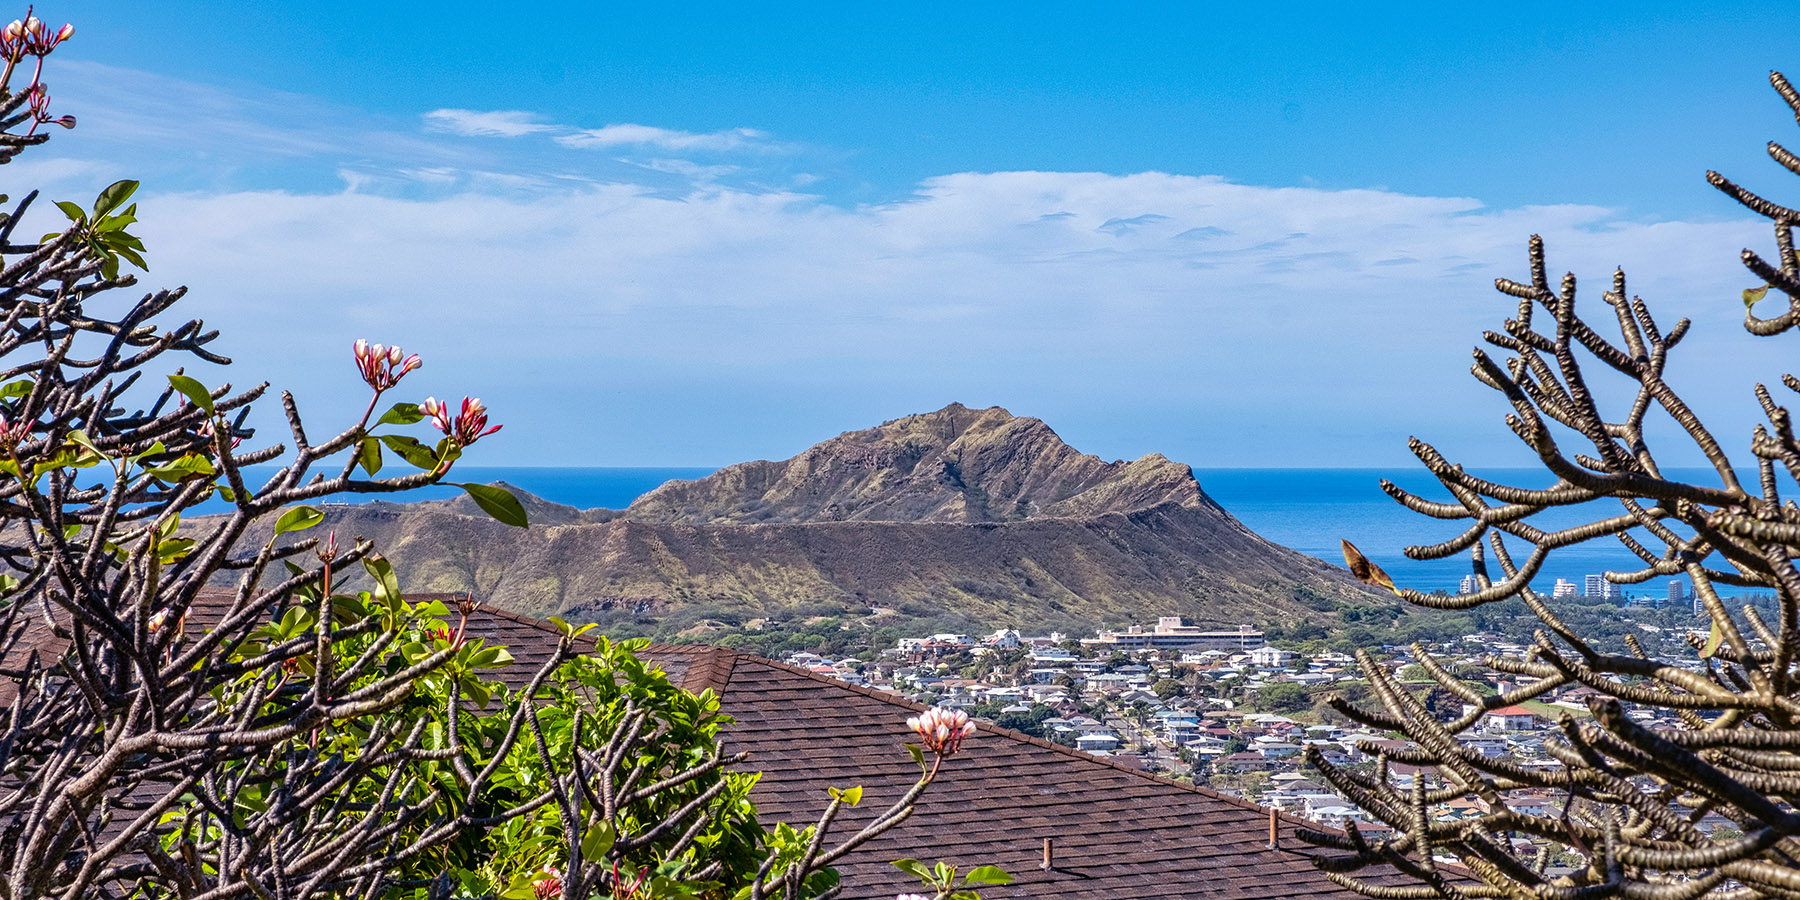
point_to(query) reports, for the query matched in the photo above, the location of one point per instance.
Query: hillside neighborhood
(1220, 708)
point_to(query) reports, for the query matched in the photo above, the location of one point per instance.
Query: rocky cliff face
(966, 511)
(954, 465)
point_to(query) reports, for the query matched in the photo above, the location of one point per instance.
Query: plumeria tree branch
(1664, 745)
(191, 705)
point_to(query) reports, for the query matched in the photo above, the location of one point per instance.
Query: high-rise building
(1468, 585)
(1593, 585)
(1565, 589)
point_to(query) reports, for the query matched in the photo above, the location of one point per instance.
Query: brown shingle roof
(1117, 832)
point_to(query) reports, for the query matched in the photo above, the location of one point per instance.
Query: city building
(1565, 589)
(1597, 587)
(1170, 634)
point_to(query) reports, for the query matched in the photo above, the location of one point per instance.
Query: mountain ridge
(966, 512)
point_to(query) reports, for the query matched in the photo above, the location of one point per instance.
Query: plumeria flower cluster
(383, 367)
(31, 37)
(38, 100)
(548, 883)
(160, 618)
(466, 427)
(12, 434)
(942, 730)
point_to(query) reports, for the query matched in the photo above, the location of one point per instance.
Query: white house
(1272, 658)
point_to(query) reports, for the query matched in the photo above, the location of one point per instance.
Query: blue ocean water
(1310, 510)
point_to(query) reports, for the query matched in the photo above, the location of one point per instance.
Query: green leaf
(173, 549)
(401, 414)
(409, 448)
(71, 210)
(368, 455)
(155, 449)
(571, 631)
(185, 466)
(387, 584)
(193, 390)
(913, 867)
(112, 195)
(987, 875)
(62, 459)
(499, 503)
(1713, 640)
(80, 439)
(600, 838)
(849, 796)
(298, 518)
(132, 256)
(15, 389)
(490, 658)
(1751, 295)
(918, 754)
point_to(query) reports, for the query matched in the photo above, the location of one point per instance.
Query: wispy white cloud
(509, 123)
(1300, 306)
(689, 297)
(668, 139)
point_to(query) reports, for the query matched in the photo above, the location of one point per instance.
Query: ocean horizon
(1307, 509)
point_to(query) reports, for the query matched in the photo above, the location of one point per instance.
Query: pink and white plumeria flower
(466, 427)
(942, 730)
(383, 367)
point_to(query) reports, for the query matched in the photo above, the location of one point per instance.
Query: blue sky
(692, 234)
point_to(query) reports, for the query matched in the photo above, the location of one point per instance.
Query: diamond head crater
(959, 515)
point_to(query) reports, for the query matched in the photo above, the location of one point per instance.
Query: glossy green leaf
(196, 393)
(409, 448)
(490, 658)
(499, 503)
(80, 439)
(387, 584)
(112, 195)
(1713, 640)
(185, 466)
(15, 389)
(298, 518)
(600, 838)
(173, 549)
(368, 455)
(987, 875)
(401, 414)
(912, 867)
